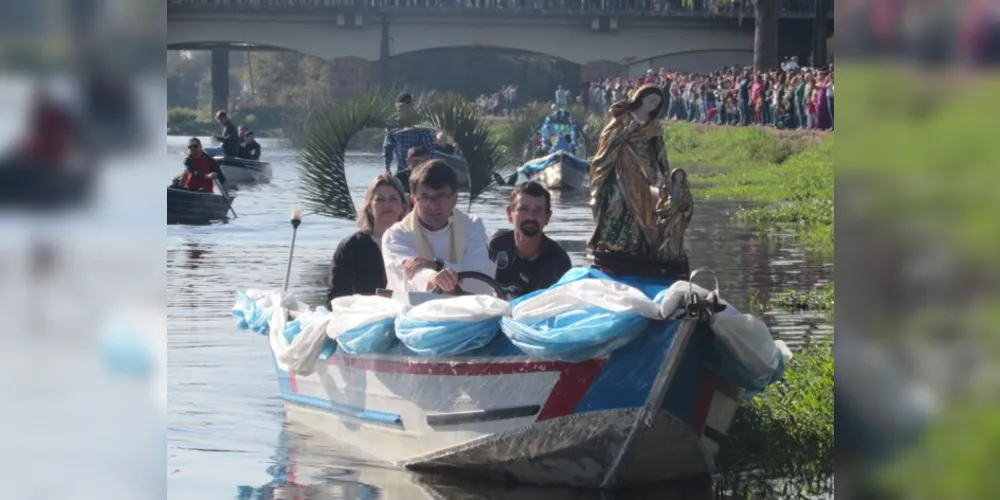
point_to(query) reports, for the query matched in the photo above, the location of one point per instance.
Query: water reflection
(223, 396)
(299, 470)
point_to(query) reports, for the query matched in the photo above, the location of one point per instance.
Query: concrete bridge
(632, 40)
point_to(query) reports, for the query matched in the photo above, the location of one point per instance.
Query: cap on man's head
(404, 98)
(220, 114)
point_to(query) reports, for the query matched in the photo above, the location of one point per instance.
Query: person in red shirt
(202, 169)
(51, 133)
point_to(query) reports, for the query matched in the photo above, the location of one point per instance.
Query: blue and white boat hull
(651, 411)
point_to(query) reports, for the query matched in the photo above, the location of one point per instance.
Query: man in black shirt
(230, 137)
(526, 259)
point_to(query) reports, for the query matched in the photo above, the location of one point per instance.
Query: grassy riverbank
(781, 442)
(785, 178)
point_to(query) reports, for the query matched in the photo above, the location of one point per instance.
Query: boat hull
(240, 171)
(638, 416)
(561, 176)
(195, 207)
(40, 187)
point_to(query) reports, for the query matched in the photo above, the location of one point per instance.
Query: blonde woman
(357, 264)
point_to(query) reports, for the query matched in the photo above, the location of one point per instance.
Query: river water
(227, 435)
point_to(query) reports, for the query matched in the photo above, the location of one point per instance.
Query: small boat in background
(559, 171)
(185, 206)
(241, 171)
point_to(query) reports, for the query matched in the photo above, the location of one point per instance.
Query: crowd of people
(791, 97)
(500, 103)
(714, 7)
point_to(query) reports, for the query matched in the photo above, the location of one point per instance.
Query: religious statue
(673, 214)
(630, 160)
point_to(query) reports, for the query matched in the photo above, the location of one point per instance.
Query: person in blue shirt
(401, 135)
(561, 117)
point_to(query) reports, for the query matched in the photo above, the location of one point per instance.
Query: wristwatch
(438, 265)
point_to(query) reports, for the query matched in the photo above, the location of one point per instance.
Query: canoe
(195, 207)
(651, 402)
(559, 171)
(241, 171)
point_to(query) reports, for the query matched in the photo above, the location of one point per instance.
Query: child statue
(673, 212)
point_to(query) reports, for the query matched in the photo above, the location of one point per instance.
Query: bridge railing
(661, 8)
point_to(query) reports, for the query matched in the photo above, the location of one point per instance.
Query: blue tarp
(535, 166)
(445, 338)
(586, 332)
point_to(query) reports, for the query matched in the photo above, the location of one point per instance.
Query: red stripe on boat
(731, 391)
(293, 385)
(457, 368)
(703, 402)
(572, 386)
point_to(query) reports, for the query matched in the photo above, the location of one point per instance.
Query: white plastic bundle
(744, 335)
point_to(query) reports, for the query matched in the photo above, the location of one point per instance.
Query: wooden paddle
(225, 196)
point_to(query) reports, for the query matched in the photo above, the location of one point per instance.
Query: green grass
(781, 442)
(788, 177)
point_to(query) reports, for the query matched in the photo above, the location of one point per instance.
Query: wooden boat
(656, 408)
(559, 171)
(39, 187)
(241, 171)
(566, 173)
(196, 207)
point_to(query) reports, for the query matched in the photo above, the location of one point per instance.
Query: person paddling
(201, 169)
(51, 134)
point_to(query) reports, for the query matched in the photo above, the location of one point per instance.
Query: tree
(765, 36)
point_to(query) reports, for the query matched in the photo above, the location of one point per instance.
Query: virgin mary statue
(630, 160)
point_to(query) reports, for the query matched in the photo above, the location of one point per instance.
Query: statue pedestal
(622, 264)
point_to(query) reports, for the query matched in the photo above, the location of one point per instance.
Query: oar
(296, 220)
(225, 196)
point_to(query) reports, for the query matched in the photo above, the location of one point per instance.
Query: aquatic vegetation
(782, 442)
(515, 135)
(818, 299)
(791, 191)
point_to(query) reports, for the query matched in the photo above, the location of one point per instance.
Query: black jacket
(357, 267)
(250, 150)
(230, 140)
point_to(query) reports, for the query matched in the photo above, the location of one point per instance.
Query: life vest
(199, 183)
(50, 137)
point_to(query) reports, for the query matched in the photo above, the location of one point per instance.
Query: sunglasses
(194, 146)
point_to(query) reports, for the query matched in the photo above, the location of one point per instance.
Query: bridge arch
(694, 61)
(568, 39)
(317, 39)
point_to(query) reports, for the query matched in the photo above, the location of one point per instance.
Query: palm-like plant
(515, 135)
(459, 119)
(322, 173)
(321, 163)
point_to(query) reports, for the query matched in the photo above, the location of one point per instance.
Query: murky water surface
(227, 432)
